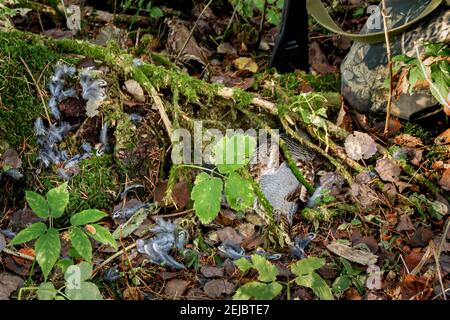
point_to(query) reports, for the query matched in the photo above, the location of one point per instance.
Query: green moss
(20, 104)
(96, 186)
(417, 130)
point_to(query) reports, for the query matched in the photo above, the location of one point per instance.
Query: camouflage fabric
(364, 70)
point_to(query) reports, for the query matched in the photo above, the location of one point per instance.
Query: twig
(192, 31)
(389, 56)
(18, 254)
(115, 255)
(38, 90)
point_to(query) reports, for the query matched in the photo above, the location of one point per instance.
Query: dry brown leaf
(360, 145)
(8, 284)
(218, 287)
(445, 180)
(408, 140)
(355, 255)
(388, 170)
(176, 287)
(244, 63)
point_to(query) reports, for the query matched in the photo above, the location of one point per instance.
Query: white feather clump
(56, 87)
(94, 91)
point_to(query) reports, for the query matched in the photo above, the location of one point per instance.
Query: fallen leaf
(22, 218)
(408, 140)
(226, 217)
(445, 180)
(246, 230)
(364, 195)
(218, 287)
(226, 48)
(443, 138)
(255, 219)
(420, 238)
(244, 63)
(135, 90)
(8, 284)
(388, 170)
(180, 194)
(417, 287)
(229, 234)
(352, 294)
(212, 272)
(176, 287)
(355, 255)
(359, 146)
(405, 223)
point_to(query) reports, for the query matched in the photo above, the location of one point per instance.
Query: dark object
(291, 50)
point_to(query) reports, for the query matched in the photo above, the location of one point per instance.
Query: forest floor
(380, 233)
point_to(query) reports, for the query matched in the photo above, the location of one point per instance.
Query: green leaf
(48, 249)
(64, 264)
(58, 198)
(156, 12)
(258, 290)
(38, 204)
(239, 192)
(233, 153)
(32, 232)
(207, 193)
(267, 272)
(321, 288)
(415, 74)
(306, 266)
(103, 235)
(81, 243)
(87, 291)
(46, 291)
(341, 284)
(87, 216)
(243, 264)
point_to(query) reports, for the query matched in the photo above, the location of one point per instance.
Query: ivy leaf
(103, 235)
(38, 204)
(243, 264)
(57, 199)
(48, 249)
(87, 216)
(306, 266)
(267, 272)
(239, 192)
(86, 291)
(233, 153)
(258, 290)
(81, 243)
(46, 291)
(30, 233)
(207, 193)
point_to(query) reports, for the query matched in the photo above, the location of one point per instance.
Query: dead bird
(130, 188)
(167, 237)
(300, 244)
(56, 87)
(127, 213)
(47, 139)
(93, 90)
(234, 251)
(330, 184)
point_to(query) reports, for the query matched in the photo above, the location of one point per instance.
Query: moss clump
(95, 187)
(20, 104)
(417, 130)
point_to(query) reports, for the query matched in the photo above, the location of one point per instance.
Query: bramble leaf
(207, 193)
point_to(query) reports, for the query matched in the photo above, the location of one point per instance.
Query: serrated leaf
(207, 193)
(258, 290)
(267, 272)
(48, 249)
(239, 192)
(103, 235)
(87, 216)
(57, 199)
(243, 264)
(81, 243)
(307, 265)
(46, 291)
(87, 291)
(32, 232)
(38, 204)
(233, 153)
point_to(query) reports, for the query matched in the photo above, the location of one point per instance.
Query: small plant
(348, 277)
(266, 288)
(76, 286)
(231, 156)
(247, 8)
(431, 71)
(307, 277)
(48, 245)
(140, 6)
